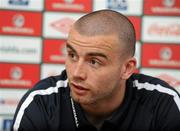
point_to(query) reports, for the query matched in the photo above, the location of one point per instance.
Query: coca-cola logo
(171, 29)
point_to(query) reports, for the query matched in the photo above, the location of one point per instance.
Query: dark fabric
(149, 104)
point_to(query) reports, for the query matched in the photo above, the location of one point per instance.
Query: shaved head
(108, 22)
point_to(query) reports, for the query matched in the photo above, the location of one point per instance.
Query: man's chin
(80, 100)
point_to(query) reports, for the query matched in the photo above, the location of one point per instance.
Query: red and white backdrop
(33, 35)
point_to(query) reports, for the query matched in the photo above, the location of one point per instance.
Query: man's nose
(80, 71)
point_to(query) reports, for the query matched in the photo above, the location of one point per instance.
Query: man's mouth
(78, 89)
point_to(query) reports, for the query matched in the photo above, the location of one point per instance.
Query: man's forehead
(96, 39)
(105, 42)
(89, 47)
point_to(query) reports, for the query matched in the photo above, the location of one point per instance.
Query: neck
(104, 108)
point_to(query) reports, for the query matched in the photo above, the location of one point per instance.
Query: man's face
(93, 67)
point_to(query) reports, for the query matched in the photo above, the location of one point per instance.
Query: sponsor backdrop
(33, 35)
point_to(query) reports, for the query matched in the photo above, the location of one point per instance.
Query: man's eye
(95, 63)
(72, 56)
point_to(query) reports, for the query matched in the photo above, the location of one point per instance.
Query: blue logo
(7, 124)
(19, 2)
(117, 4)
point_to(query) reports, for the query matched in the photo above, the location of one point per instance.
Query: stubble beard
(90, 100)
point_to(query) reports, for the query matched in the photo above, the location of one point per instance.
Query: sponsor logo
(15, 74)
(33, 5)
(166, 56)
(7, 124)
(62, 25)
(118, 4)
(164, 30)
(16, 83)
(127, 7)
(166, 7)
(18, 2)
(8, 101)
(15, 50)
(166, 10)
(70, 5)
(155, 31)
(22, 49)
(170, 63)
(18, 75)
(57, 25)
(18, 21)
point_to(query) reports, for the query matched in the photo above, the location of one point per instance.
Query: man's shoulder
(147, 81)
(46, 97)
(49, 87)
(154, 89)
(150, 84)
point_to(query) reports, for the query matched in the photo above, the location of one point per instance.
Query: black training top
(149, 104)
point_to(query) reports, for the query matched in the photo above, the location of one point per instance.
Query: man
(98, 91)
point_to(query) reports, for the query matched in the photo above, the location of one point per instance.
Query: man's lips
(78, 89)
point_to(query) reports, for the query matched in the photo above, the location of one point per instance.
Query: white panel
(161, 29)
(51, 70)
(34, 5)
(9, 99)
(20, 49)
(127, 7)
(57, 25)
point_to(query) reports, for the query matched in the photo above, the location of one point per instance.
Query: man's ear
(128, 68)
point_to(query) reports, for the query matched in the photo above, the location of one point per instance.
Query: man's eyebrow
(69, 46)
(97, 54)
